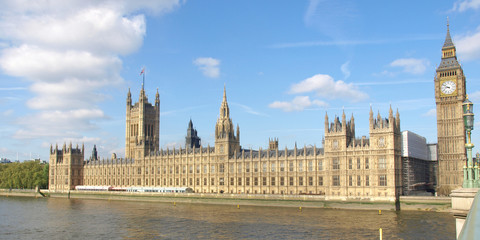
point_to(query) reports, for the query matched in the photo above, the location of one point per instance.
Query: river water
(53, 218)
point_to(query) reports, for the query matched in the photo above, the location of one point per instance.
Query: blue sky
(66, 66)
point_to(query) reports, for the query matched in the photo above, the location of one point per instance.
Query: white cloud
(172, 145)
(462, 6)
(299, 103)
(58, 124)
(345, 68)
(40, 64)
(69, 52)
(431, 113)
(7, 113)
(411, 65)
(325, 86)
(209, 66)
(384, 73)
(248, 109)
(468, 45)
(95, 29)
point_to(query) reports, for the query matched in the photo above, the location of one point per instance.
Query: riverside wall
(408, 203)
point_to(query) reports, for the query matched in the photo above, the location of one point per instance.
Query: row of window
(449, 73)
(382, 164)
(264, 181)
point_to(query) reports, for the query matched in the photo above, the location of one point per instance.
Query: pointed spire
(224, 92)
(224, 110)
(390, 112)
(157, 98)
(238, 133)
(448, 39)
(129, 98)
(326, 122)
(397, 120)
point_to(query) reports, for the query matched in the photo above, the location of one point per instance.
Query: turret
(238, 133)
(391, 120)
(371, 118)
(129, 98)
(191, 140)
(397, 120)
(326, 122)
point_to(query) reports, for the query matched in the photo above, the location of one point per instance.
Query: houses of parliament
(344, 167)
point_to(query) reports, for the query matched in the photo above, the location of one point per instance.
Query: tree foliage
(25, 175)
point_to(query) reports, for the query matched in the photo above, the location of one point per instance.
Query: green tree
(24, 175)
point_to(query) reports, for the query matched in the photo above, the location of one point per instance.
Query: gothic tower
(225, 140)
(142, 126)
(192, 140)
(450, 93)
(65, 167)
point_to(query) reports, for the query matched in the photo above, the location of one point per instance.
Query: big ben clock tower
(449, 95)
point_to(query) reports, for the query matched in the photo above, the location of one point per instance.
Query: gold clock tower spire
(450, 91)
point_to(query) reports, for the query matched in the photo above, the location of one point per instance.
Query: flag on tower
(142, 73)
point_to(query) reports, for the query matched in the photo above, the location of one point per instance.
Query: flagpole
(143, 73)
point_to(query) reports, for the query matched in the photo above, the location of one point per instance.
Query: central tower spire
(225, 140)
(224, 109)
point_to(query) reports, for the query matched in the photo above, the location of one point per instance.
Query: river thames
(54, 218)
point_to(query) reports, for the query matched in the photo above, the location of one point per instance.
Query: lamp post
(470, 176)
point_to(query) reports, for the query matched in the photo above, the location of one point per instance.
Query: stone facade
(66, 168)
(450, 93)
(346, 167)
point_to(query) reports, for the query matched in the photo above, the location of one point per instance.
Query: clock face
(448, 87)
